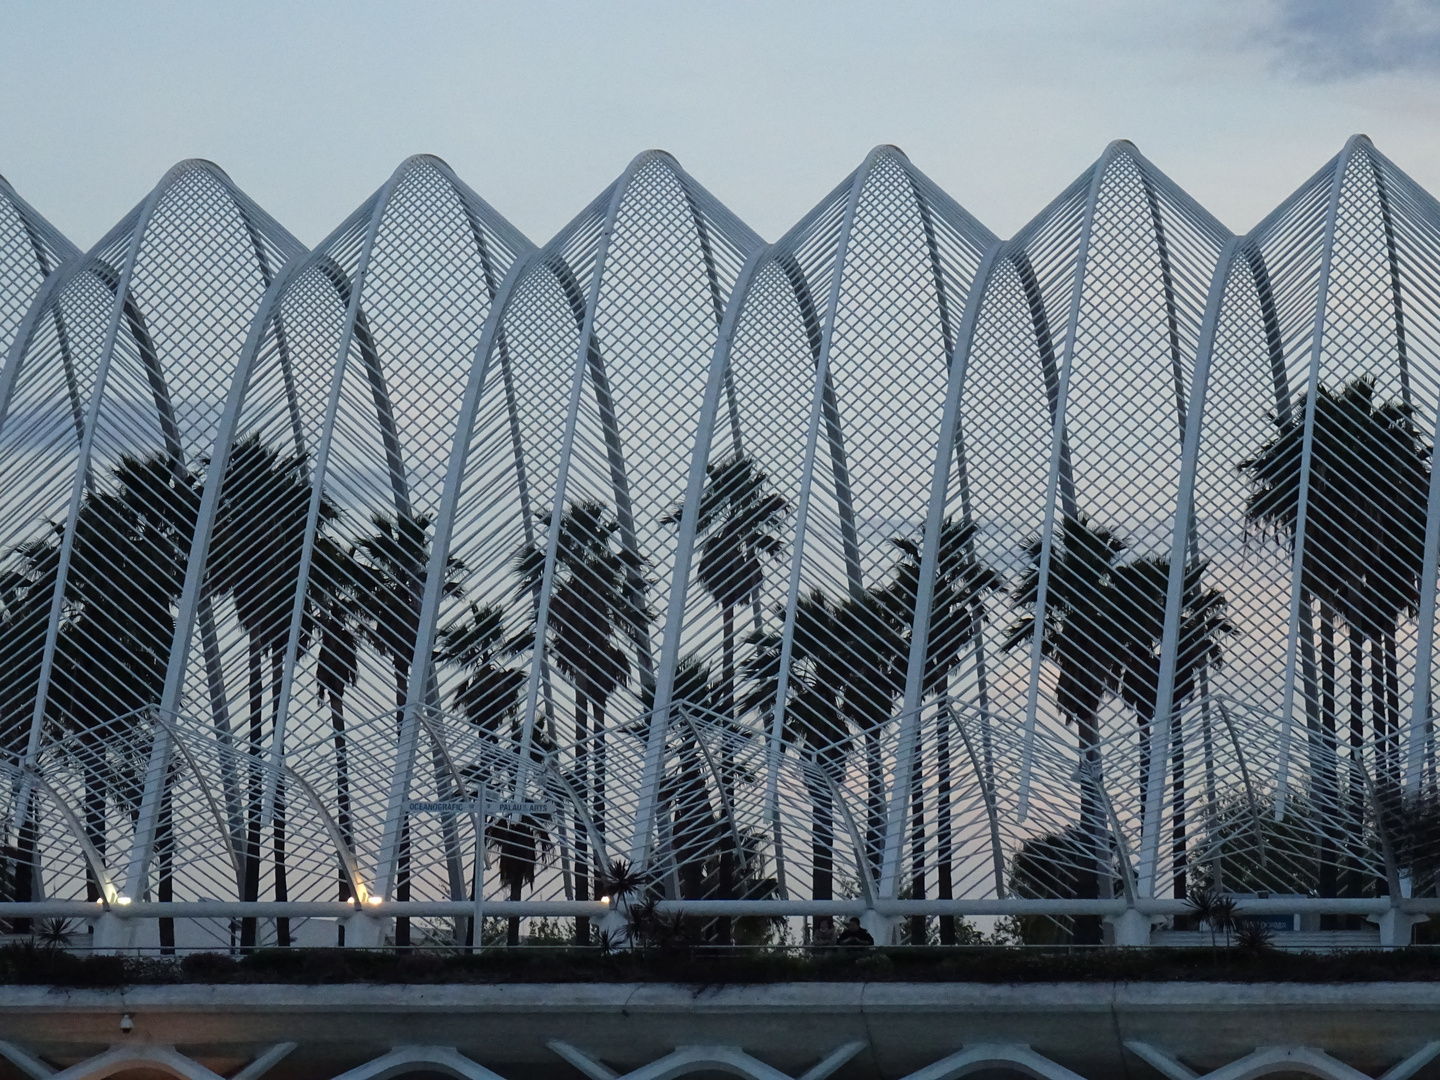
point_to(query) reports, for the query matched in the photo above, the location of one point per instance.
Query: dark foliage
(32, 965)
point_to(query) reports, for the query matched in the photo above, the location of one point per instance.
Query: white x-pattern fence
(887, 568)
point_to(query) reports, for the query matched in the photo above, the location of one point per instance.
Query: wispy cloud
(1339, 39)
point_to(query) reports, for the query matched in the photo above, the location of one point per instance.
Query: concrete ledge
(791, 1026)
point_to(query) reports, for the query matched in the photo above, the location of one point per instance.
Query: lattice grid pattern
(888, 565)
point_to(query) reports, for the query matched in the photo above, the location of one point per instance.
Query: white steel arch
(105, 401)
(728, 574)
(882, 266)
(604, 339)
(1321, 381)
(30, 251)
(338, 430)
(1129, 257)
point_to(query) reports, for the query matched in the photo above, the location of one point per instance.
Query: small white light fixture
(374, 901)
(126, 1024)
(122, 900)
(605, 899)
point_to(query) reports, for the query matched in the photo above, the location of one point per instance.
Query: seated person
(824, 933)
(854, 934)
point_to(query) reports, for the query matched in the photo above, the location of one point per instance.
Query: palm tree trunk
(1327, 780)
(944, 833)
(1379, 715)
(1212, 795)
(94, 797)
(917, 845)
(582, 846)
(1144, 727)
(822, 841)
(282, 885)
(1092, 827)
(165, 858)
(255, 794)
(1353, 872)
(402, 861)
(1380, 726)
(723, 925)
(450, 833)
(597, 811)
(512, 932)
(727, 665)
(342, 801)
(27, 864)
(1392, 700)
(472, 932)
(1178, 856)
(874, 800)
(693, 826)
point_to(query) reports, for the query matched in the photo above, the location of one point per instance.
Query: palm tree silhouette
(489, 693)
(1079, 637)
(126, 572)
(737, 519)
(957, 612)
(591, 614)
(521, 844)
(1363, 559)
(488, 696)
(255, 557)
(1104, 629)
(390, 566)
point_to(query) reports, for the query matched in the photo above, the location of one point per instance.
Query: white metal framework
(889, 569)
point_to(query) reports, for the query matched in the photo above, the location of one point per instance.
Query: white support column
(945, 451)
(1297, 565)
(562, 476)
(192, 591)
(1420, 704)
(138, 226)
(802, 513)
(9, 376)
(318, 475)
(1425, 627)
(40, 305)
(1179, 560)
(684, 557)
(1057, 455)
(420, 663)
(25, 1061)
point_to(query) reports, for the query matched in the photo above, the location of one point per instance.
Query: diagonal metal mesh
(887, 567)
(115, 386)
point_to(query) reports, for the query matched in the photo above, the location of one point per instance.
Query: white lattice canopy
(888, 567)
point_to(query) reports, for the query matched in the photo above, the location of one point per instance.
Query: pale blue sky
(537, 105)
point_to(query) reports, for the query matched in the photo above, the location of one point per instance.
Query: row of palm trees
(1360, 573)
(126, 573)
(1102, 626)
(1362, 562)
